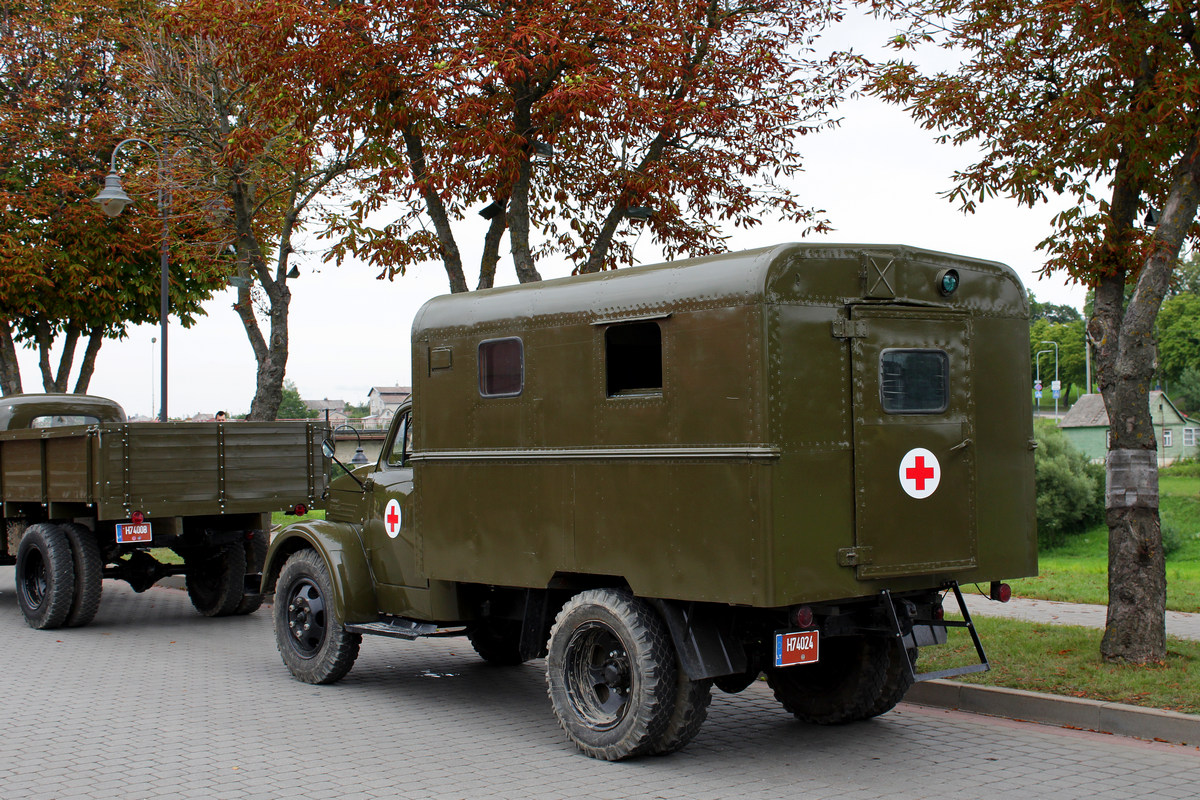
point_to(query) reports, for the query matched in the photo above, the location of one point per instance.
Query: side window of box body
(501, 367)
(633, 359)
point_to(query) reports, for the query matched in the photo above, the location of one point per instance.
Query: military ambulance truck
(668, 477)
(86, 495)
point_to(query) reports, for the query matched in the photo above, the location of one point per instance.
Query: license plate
(131, 533)
(796, 647)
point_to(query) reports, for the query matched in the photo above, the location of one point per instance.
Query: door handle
(965, 443)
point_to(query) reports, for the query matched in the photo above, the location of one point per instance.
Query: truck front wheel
(858, 677)
(45, 576)
(611, 674)
(311, 640)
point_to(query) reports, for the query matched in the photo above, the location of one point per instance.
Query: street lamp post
(1056, 387)
(113, 199)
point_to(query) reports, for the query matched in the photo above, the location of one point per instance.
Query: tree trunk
(1135, 630)
(491, 246)
(10, 368)
(518, 203)
(88, 367)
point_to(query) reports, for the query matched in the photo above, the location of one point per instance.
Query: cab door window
(400, 447)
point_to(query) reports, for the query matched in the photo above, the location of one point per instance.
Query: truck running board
(965, 622)
(396, 628)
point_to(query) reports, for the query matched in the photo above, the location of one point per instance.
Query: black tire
(611, 674)
(691, 709)
(256, 557)
(498, 642)
(311, 640)
(857, 678)
(45, 576)
(896, 681)
(89, 574)
(216, 579)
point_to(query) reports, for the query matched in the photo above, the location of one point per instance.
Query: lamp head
(112, 197)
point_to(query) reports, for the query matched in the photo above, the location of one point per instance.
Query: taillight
(137, 518)
(299, 510)
(802, 616)
(939, 613)
(1001, 591)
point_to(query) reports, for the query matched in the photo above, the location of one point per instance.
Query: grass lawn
(1077, 571)
(1064, 659)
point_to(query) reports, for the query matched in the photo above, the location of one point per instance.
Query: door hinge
(855, 556)
(849, 329)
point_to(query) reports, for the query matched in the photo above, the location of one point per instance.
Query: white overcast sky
(878, 176)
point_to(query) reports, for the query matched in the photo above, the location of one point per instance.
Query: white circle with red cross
(920, 473)
(392, 518)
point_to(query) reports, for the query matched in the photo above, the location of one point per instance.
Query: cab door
(389, 528)
(914, 458)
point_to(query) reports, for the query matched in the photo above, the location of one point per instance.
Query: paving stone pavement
(1184, 626)
(155, 701)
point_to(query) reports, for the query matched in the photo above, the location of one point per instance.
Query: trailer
(87, 495)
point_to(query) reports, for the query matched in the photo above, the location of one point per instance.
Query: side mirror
(327, 448)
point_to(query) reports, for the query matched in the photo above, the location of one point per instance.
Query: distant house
(384, 400)
(1086, 426)
(332, 410)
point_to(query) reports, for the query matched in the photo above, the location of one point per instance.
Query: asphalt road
(154, 701)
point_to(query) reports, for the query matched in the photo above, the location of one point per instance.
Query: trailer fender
(704, 640)
(341, 547)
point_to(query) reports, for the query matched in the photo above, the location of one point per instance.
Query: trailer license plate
(797, 647)
(131, 533)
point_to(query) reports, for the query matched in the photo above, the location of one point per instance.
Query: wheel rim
(306, 618)
(33, 579)
(599, 678)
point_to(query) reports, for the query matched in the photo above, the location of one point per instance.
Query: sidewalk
(1179, 624)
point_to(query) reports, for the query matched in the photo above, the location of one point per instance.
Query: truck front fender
(341, 548)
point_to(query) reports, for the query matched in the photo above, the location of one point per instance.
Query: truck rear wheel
(611, 674)
(691, 709)
(45, 575)
(311, 640)
(215, 583)
(858, 677)
(89, 574)
(256, 556)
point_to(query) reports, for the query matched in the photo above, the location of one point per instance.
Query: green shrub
(1172, 536)
(1069, 497)
(1184, 468)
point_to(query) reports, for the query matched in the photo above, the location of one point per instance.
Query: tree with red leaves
(1096, 101)
(570, 125)
(67, 273)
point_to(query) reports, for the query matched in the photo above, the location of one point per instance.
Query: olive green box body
(162, 470)
(763, 470)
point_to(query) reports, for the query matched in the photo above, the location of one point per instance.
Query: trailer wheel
(89, 574)
(256, 557)
(311, 640)
(858, 677)
(611, 674)
(498, 641)
(215, 583)
(45, 575)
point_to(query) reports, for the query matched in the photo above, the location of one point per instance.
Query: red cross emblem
(392, 518)
(920, 473)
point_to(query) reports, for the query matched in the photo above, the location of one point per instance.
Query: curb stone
(1066, 712)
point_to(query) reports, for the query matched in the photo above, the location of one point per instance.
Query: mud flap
(703, 639)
